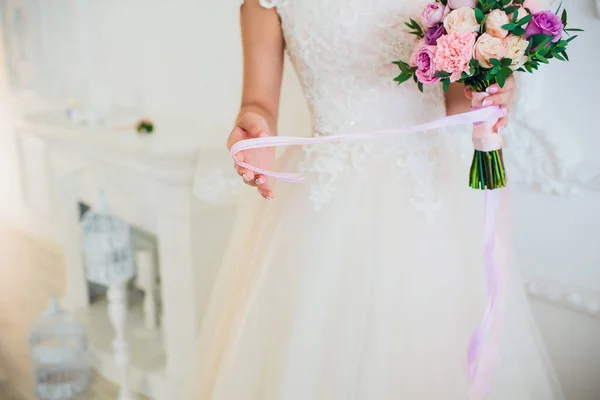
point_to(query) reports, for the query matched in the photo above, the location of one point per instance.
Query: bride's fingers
(247, 175)
(501, 124)
(266, 193)
(500, 99)
(262, 184)
(468, 93)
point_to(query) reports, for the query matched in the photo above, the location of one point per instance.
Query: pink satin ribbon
(485, 341)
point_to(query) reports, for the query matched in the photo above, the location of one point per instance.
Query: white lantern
(59, 355)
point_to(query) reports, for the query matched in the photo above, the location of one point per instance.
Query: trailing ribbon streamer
(485, 341)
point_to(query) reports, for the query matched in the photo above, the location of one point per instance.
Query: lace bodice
(342, 51)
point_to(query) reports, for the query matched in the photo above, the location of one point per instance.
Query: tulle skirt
(363, 299)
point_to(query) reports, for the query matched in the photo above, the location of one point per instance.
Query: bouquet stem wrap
(484, 344)
(487, 169)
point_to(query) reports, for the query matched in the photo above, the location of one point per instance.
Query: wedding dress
(366, 281)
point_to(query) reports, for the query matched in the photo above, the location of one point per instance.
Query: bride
(365, 282)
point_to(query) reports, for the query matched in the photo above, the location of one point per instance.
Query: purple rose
(423, 59)
(434, 33)
(546, 23)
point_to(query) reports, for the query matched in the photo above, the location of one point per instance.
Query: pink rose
(454, 4)
(489, 47)
(495, 20)
(433, 14)
(424, 61)
(454, 53)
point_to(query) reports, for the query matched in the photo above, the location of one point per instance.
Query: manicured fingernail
(263, 135)
(259, 181)
(492, 90)
(487, 102)
(246, 178)
(269, 197)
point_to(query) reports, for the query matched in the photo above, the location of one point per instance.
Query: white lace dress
(365, 282)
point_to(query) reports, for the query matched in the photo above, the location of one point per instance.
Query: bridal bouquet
(480, 43)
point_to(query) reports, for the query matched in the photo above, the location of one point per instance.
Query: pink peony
(433, 14)
(454, 53)
(454, 4)
(424, 61)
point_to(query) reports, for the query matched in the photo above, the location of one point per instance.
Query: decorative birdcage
(59, 355)
(107, 248)
(108, 260)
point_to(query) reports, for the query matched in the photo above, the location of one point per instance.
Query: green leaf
(442, 74)
(402, 78)
(420, 86)
(528, 68)
(495, 70)
(402, 65)
(519, 31)
(571, 38)
(509, 27)
(506, 62)
(501, 78)
(574, 30)
(564, 54)
(507, 71)
(495, 62)
(561, 58)
(539, 42)
(446, 84)
(524, 20)
(474, 63)
(511, 9)
(563, 18)
(559, 7)
(479, 15)
(542, 59)
(506, 2)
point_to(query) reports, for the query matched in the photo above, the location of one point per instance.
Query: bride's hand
(498, 96)
(251, 125)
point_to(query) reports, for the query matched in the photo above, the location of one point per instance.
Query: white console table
(148, 181)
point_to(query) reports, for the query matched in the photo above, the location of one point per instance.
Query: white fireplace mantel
(148, 181)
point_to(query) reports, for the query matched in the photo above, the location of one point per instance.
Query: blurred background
(79, 184)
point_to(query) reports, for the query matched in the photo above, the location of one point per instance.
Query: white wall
(180, 57)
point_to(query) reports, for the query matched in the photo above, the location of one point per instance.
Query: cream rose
(515, 50)
(488, 47)
(521, 13)
(461, 20)
(494, 22)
